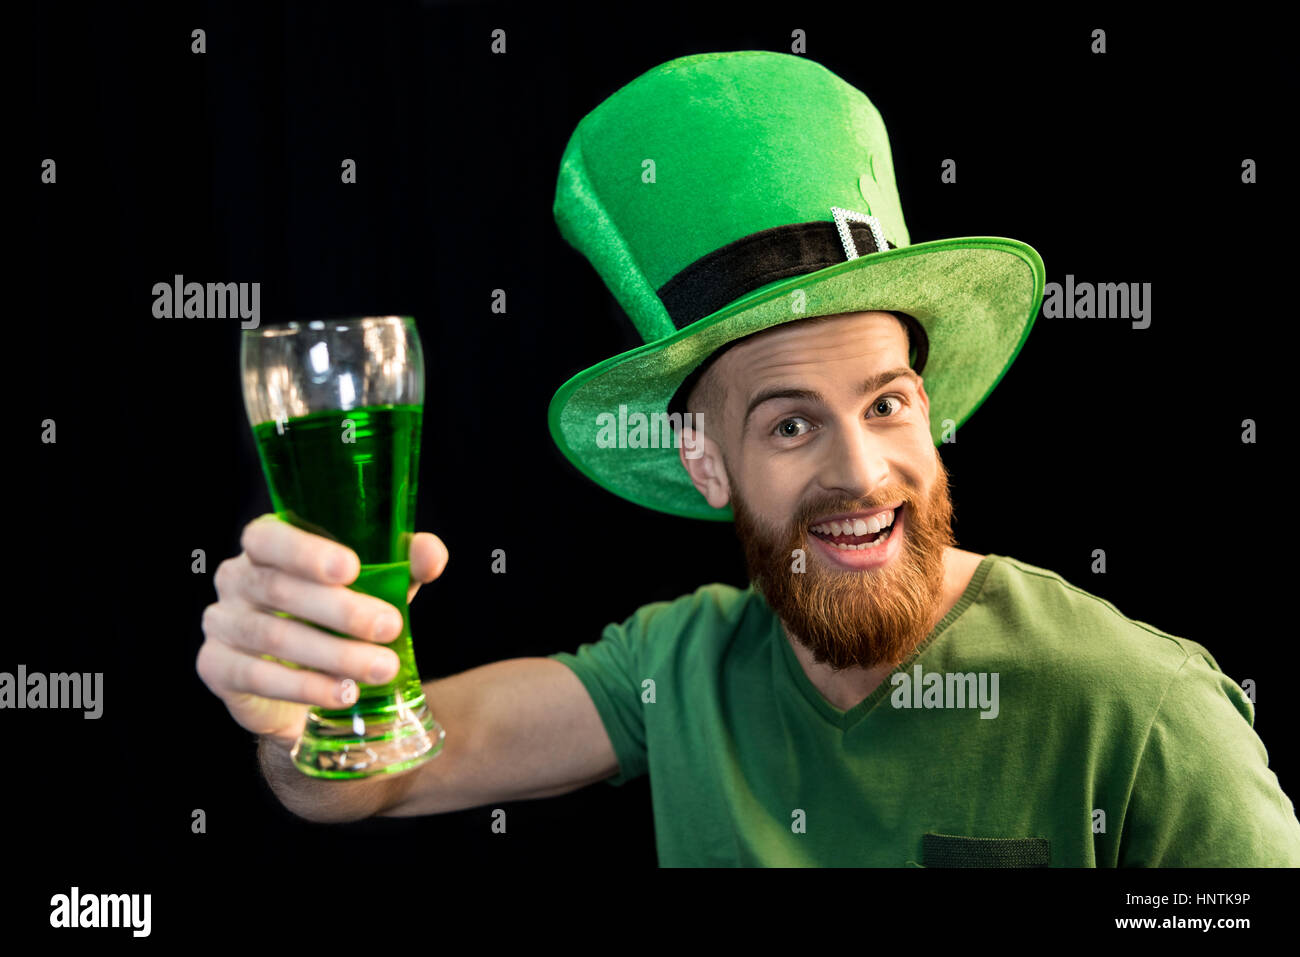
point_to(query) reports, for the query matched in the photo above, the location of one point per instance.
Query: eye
(884, 400)
(785, 433)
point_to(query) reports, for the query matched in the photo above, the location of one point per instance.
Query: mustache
(810, 512)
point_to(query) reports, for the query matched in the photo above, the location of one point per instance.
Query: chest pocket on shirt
(951, 850)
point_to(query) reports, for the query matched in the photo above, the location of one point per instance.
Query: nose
(855, 462)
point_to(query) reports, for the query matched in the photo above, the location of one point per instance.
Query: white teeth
(857, 526)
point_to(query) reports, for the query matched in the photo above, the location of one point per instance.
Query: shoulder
(715, 605)
(1052, 621)
(704, 620)
(1065, 645)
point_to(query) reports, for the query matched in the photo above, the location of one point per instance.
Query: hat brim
(976, 298)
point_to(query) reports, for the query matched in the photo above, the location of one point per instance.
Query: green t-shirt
(1042, 727)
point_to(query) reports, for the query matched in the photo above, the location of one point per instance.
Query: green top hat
(720, 194)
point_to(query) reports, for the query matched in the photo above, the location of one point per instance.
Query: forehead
(824, 347)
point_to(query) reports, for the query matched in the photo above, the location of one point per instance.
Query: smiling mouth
(846, 538)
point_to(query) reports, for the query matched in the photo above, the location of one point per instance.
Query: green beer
(350, 476)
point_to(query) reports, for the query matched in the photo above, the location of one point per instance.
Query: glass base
(373, 737)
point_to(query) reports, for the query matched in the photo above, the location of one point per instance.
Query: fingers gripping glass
(335, 407)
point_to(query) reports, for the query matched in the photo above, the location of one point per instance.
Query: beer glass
(335, 409)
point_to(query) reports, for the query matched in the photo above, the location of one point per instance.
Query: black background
(1124, 167)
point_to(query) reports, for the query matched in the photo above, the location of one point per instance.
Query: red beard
(850, 618)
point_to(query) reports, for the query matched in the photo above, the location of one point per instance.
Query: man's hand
(285, 569)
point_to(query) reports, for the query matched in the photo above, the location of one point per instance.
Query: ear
(702, 459)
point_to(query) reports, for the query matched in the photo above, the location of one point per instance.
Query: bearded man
(875, 696)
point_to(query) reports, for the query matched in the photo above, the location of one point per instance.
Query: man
(876, 696)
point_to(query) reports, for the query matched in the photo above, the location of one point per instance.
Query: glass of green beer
(335, 407)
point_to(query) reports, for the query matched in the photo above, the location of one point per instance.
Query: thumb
(429, 558)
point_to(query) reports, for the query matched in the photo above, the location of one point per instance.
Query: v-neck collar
(844, 720)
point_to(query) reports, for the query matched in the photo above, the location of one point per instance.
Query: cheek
(921, 448)
(911, 457)
(772, 485)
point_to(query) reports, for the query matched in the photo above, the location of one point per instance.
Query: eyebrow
(869, 385)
